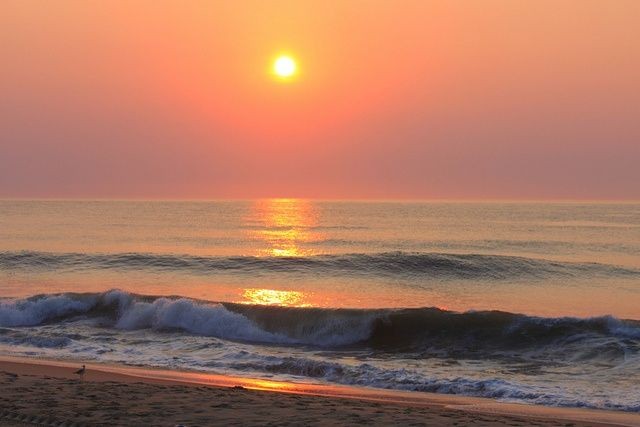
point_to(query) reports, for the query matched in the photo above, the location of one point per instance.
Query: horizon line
(323, 199)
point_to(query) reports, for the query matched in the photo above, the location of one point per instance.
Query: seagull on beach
(81, 372)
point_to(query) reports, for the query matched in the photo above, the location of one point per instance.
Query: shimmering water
(384, 294)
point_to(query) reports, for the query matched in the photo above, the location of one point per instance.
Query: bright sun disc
(284, 66)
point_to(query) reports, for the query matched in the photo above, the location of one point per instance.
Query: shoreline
(375, 403)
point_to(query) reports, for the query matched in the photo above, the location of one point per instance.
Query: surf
(420, 349)
(428, 331)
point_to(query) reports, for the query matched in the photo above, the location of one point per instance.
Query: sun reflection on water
(284, 225)
(274, 297)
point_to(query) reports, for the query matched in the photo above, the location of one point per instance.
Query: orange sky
(407, 99)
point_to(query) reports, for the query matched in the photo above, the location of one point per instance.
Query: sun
(284, 66)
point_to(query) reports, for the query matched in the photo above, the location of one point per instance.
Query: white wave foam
(369, 375)
(317, 327)
(31, 312)
(202, 319)
(206, 319)
(77, 336)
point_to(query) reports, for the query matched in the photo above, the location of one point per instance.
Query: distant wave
(426, 331)
(429, 265)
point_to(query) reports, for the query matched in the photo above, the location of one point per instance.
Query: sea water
(531, 302)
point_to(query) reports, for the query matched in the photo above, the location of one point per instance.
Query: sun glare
(274, 297)
(284, 66)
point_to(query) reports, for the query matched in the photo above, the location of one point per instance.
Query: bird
(81, 372)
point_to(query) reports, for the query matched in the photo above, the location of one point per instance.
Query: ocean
(535, 302)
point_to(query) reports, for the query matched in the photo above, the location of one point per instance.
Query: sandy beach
(43, 392)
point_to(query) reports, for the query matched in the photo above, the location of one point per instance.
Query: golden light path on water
(249, 232)
(283, 227)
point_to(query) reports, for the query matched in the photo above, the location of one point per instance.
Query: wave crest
(390, 264)
(427, 331)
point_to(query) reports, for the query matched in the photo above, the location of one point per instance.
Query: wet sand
(42, 392)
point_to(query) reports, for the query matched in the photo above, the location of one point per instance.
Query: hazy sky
(395, 99)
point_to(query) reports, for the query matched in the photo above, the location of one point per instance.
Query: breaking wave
(426, 331)
(502, 355)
